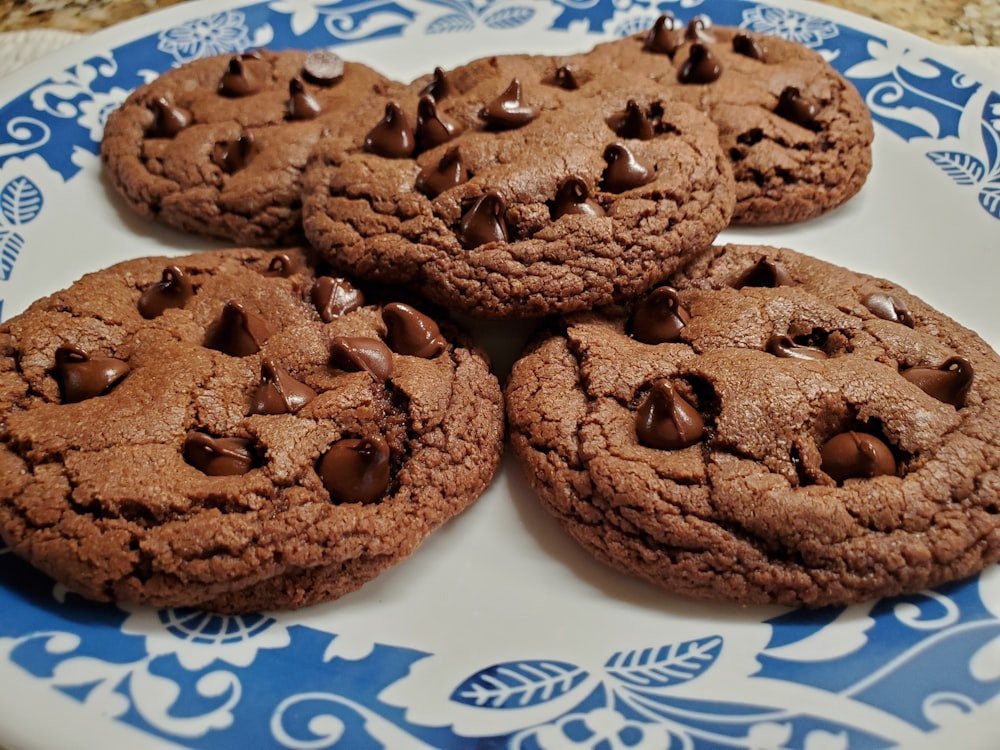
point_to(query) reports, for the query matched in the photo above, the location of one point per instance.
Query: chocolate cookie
(217, 146)
(505, 189)
(768, 428)
(797, 132)
(229, 431)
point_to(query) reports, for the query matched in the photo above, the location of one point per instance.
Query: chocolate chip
(887, 307)
(508, 111)
(484, 221)
(659, 317)
(411, 332)
(632, 122)
(665, 36)
(666, 420)
(392, 137)
(279, 392)
(235, 82)
(224, 456)
(749, 46)
(697, 29)
(439, 86)
(301, 104)
(361, 354)
(764, 273)
(355, 470)
(624, 170)
(173, 290)
(335, 296)
(793, 107)
(449, 172)
(234, 155)
(784, 346)
(323, 67)
(237, 331)
(81, 377)
(573, 199)
(948, 382)
(168, 119)
(431, 130)
(283, 265)
(700, 67)
(856, 455)
(565, 78)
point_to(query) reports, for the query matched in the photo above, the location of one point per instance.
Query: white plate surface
(499, 632)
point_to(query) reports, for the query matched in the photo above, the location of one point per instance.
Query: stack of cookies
(728, 422)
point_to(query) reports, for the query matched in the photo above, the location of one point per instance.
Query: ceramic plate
(499, 632)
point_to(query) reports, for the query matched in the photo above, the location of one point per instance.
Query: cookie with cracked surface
(217, 146)
(508, 194)
(797, 132)
(230, 431)
(769, 428)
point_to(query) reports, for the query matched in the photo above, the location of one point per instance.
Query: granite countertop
(966, 22)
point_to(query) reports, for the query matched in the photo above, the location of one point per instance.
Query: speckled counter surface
(967, 22)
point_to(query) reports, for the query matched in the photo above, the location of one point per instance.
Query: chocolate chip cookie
(511, 188)
(233, 431)
(797, 132)
(767, 428)
(217, 146)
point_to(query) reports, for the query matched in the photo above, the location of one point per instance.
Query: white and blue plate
(499, 632)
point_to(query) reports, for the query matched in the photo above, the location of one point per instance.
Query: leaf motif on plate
(963, 168)
(11, 244)
(451, 23)
(670, 665)
(519, 684)
(989, 198)
(509, 18)
(20, 201)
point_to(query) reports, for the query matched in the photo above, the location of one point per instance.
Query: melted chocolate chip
(361, 353)
(659, 317)
(508, 111)
(81, 377)
(948, 382)
(355, 470)
(335, 296)
(749, 46)
(665, 36)
(784, 346)
(301, 104)
(764, 273)
(234, 155)
(624, 170)
(666, 421)
(283, 265)
(224, 456)
(697, 29)
(237, 331)
(887, 307)
(431, 130)
(322, 67)
(392, 137)
(449, 172)
(793, 107)
(168, 119)
(632, 122)
(856, 455)
(173, 290)
(235, 82)
(573, 198)
(700, 67)
(439, 86)
(411, 332)
(565, 78)
(484, 221)
(279, 392)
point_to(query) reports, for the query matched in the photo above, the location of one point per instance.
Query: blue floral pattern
(842, 678)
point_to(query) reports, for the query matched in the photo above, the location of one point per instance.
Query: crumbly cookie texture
(768, 428)
(232, 431)
(796, 131)
(504, 189)
(217, 146)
